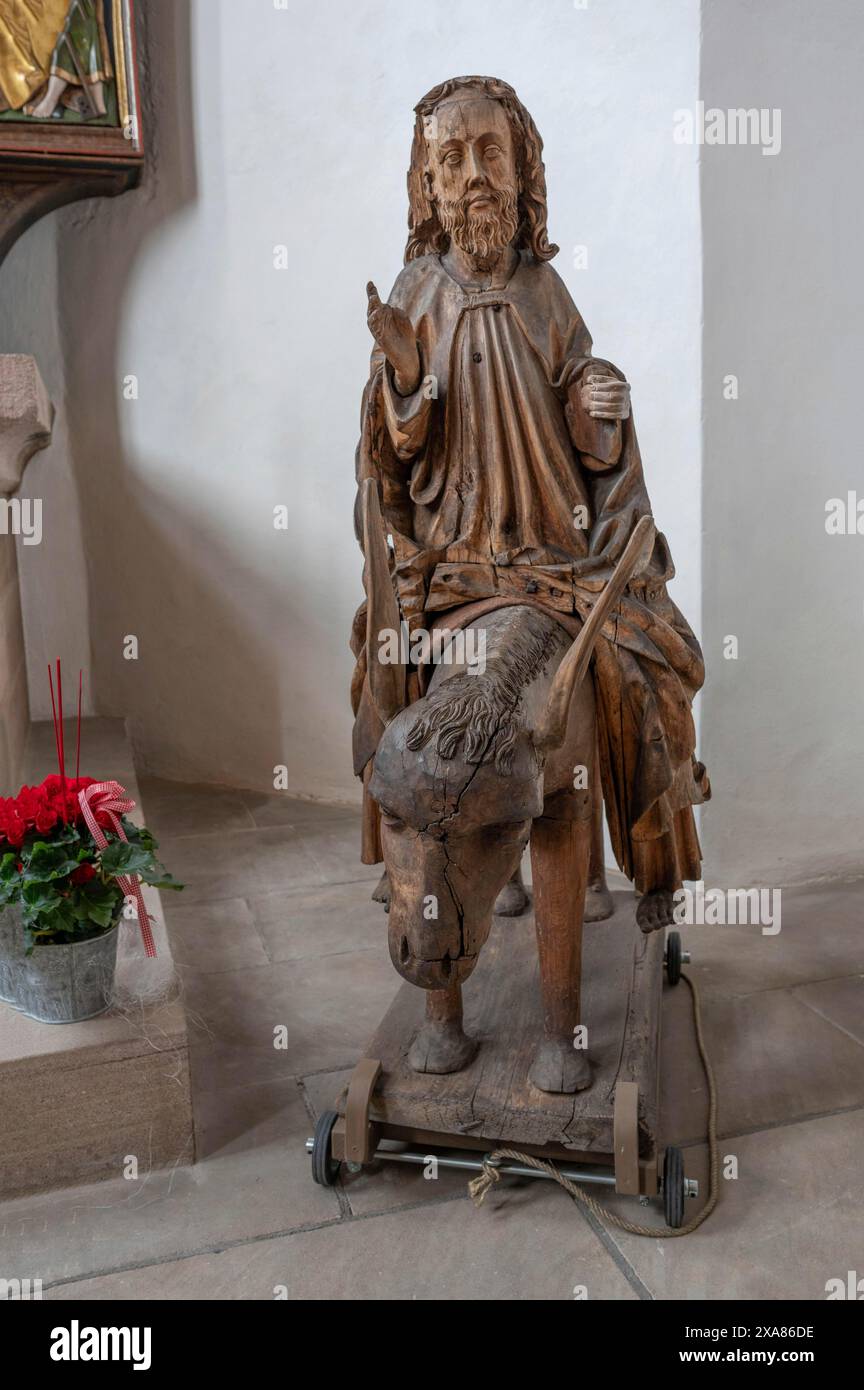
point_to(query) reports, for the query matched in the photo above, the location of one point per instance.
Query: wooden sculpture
(501, 458)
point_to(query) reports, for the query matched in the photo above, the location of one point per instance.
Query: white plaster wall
(783, 725)
(293, 126)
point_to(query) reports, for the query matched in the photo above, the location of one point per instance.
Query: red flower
(41, 808)
(82, 874)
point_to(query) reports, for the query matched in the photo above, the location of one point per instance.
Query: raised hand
(392, 330)
(603, 396)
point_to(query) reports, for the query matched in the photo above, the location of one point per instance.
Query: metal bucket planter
(59, 983)
(11, 953)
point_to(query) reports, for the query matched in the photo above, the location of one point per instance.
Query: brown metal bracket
(625, 1132)
(359, 1145)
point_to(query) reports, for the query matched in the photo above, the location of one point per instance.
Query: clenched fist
(603, 396)
(391, 328)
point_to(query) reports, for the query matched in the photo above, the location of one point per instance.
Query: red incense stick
(62, 739)
(78, 739)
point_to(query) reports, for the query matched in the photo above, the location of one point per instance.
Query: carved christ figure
(505, 458)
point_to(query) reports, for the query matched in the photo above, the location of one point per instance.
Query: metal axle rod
(516, 1170)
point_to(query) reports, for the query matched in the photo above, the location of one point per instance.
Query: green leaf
(101, 892)
(47, 862)
(61, 918)
(40, 896)
(157, 876)
(139, 834)
(120, 858)
(100, 913)
(10, 879)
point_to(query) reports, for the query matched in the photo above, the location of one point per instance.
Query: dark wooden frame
(44, 166)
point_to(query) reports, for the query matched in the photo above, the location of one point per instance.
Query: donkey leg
(598, 899)
(441, 1045)
(560, 854)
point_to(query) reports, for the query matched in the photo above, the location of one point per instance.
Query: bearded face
(482, 226)
(472, 168)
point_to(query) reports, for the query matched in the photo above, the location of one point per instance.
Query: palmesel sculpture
(500, 458)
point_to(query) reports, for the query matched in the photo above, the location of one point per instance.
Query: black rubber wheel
(325, 1168)
(673, 957)
(673, 1188)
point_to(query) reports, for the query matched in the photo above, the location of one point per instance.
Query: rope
(479, 1187)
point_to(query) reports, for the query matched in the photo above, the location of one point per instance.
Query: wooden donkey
(464, 777)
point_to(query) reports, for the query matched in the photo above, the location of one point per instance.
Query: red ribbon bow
(111, 798)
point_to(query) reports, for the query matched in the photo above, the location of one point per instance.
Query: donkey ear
(386, 679)
(553, 726)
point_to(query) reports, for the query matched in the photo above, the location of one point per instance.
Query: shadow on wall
(142, 549)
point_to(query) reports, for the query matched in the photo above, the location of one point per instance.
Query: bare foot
(440, 1048)
(97, 96)
(48, 105)
(655, 910)
(513, 899)
(598, 902)
(559, 1067)
(382, 891)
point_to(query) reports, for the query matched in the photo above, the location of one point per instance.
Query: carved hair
(425, 232)
(484, 710)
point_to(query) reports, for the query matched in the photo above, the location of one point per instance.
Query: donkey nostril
(403, 950)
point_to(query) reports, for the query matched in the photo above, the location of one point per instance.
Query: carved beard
(483, 235)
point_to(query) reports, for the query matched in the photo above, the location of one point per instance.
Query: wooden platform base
(492, 1100)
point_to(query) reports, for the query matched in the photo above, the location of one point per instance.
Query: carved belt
(455, 583)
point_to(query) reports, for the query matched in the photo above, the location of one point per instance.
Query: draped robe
(496, 487)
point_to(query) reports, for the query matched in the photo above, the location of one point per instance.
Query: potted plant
(69, 860)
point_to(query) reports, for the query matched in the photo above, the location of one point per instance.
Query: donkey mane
(484, 711)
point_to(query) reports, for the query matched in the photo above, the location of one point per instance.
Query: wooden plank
(492, 1098)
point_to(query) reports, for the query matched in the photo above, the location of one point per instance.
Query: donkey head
(458, 780)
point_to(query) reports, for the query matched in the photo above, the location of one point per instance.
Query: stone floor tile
(181, 808)
(320, 921)
(841, 1002)
(529, 1245)
(793, 1219)
(335, 848)
(281, 809)
(775, 1061)
(329, 1007)
(215, 936)
(819, 938)
(241, 863)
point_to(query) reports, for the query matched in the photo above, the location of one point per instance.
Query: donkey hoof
(512, 901)
(598, 903)
(441, 1048)
(560, 1068)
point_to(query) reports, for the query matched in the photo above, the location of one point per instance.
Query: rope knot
(485, 1181)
